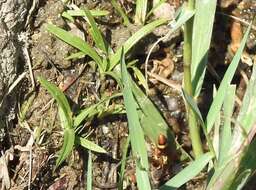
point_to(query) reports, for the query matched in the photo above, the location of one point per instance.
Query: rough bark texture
(12, 16)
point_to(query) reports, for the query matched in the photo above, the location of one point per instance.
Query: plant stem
(187, 56)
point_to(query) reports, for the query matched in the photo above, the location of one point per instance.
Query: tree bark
(12, 20)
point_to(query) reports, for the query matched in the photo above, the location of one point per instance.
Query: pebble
(165, 11)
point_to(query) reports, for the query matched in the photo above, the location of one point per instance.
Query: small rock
(165, 11)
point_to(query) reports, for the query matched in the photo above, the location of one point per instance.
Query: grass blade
(94, 13)
(188, 173)
(141, 11)
(89, 172)
(123, 163)
(226, 134)
(145, 30)
(195, 108)
(95, 32)
(219, 98)
(151, 120)
(92, 110)
(247, 115)
(62, 101)
(120, 12)
(76, 42)
(135, 131)
(140, 77)
(67, 147)
(65, 115)
(202, 32)
(89, 145)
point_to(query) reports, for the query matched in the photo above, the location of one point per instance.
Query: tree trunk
(12, 19)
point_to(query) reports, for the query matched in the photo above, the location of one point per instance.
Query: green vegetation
(229, 158)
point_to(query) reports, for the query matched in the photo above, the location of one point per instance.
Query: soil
(31, 143)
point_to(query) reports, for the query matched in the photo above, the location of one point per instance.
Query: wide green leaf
(202, 32)
(151, 120)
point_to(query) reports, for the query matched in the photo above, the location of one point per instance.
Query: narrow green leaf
(96, 34)
(76, 42)
(202, 32)
(188, 173)
(135, 131)
(123, 163)
(141, 11)
(120, 11)
(219, 98)
(145, 30)
(89, 171)
(89, 145)
(184, 15)
(195, 108)
(62, 101)
(140, 77)
(226, 134)
(151, 120)
(92, 110)
(247, 115)
(94, 13)
(193, 105)
(65, 115)
(67, 147)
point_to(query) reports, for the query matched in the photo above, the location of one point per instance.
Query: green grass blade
(89, 172)
(92, 110)
(65, 115)
(89, 145)
(123, 163)
(202, 32)
(94, 13)
(67, 147)
(184, 15)
(120, 11)
(141, 11)
(62, 101)
(135, 131)
(195, 108)
(145, 30)
(219, 98)
(140, 77)
(95, 32)
(247, 115)
(76, 42)
(226, 132)
(151, 120)
(188, 173)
